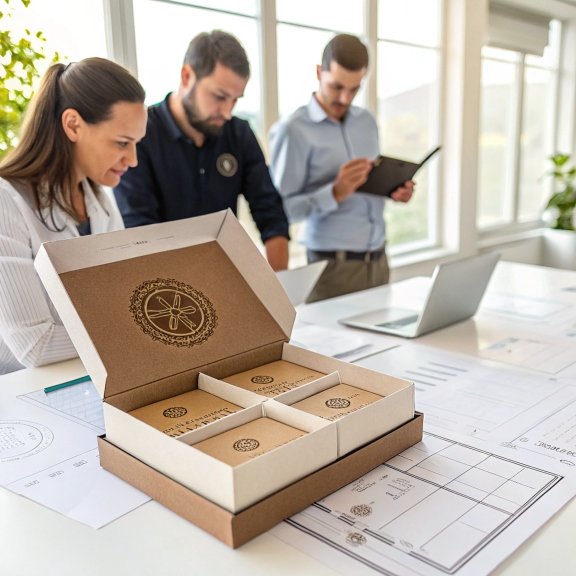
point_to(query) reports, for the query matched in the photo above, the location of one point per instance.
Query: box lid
(146, 303)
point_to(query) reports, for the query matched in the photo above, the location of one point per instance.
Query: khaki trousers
(342, 276)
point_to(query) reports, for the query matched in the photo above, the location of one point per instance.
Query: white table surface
(154, 541)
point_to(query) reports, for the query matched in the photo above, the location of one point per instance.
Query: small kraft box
(151, 310)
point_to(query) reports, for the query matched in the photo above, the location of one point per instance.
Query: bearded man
(197, 158)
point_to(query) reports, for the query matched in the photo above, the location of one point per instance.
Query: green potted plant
(562, 203)
(559, 239)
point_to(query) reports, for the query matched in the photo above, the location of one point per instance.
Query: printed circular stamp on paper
(361, 510)
(356, 538)
(21, 439)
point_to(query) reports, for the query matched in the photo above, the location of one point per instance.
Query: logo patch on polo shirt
(227, 164)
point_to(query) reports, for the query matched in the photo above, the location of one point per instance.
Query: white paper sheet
(80, 489)
(534, 352)
(522, 410)
(342, 344)
(525, 308)
(444, 506)
(51, 457)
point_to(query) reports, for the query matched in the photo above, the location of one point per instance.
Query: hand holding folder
(389, 173)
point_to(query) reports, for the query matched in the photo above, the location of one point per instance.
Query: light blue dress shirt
(306, 151)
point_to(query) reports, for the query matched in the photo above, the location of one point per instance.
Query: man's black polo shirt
(175, 179)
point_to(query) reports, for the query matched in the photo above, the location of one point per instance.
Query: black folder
(389, 173)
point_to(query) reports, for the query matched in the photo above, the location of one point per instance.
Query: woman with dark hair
(79, 134)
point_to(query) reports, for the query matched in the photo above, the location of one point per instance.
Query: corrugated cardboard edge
(237, 529)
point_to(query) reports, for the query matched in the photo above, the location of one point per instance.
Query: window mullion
(269, 62)
(121, 33)
(514, 198)
(371, 35)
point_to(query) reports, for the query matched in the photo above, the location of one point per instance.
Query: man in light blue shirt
(320, 157)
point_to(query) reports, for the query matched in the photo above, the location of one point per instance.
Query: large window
(303, 29)
(415, 47)
(517, 134)
(164, 29)
(538, 135)
(497, 136)
(404, 75)
(403, 80)
(408, 92)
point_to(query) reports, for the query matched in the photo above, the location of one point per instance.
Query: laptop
(299, 282)
(454, 295)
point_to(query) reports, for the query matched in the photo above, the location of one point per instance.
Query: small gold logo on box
(337, 403)
(262, 379)
(175, 412)
(246, 445)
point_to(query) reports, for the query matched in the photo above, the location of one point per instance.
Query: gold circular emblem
(227, 165)
(262, 379)
(246, 445)
(173, 312)
(337, 403)
(175, 412)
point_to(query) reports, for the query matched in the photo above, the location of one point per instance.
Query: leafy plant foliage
(19, 59)
(563, 201)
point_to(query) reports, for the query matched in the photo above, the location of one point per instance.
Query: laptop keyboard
(400, 322)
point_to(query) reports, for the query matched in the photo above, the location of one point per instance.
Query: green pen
(66, 384)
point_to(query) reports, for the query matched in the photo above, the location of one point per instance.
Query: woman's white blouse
(31, 333)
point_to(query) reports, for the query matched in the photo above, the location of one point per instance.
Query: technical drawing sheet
(443, 506)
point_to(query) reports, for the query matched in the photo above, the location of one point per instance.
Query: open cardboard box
(151, 308)
(237, 529)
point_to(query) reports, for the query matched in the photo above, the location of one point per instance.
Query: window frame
(463, 28)
(512, 222)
